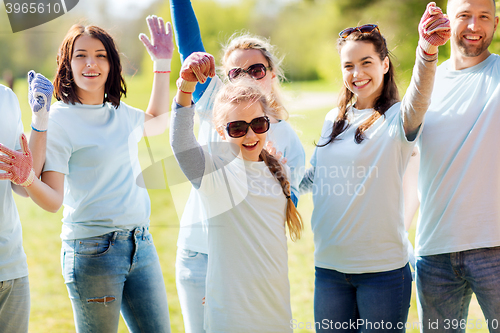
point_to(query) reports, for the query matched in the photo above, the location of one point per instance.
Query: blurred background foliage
(305, 32)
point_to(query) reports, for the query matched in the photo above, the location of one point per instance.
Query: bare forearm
(48, 193)
(183, 99)
(38, 145)
(156, 119)
(19, 190)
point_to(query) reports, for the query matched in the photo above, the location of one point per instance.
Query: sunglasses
(256, 71)
(364, 29)
(239, 128)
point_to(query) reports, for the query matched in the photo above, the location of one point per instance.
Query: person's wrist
(427, 48)
(40, 122)
(186, 87)
(161, 65)
(29, 180)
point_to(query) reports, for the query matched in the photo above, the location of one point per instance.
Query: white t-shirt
(247, 276)
(357, 193)
(13, 263)
(95, 147)
(193, 232)
(459, 179)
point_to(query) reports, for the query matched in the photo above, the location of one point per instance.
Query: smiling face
(240, 58)
(363, 72)
(250, 145)
(473, 23)
(90, 69)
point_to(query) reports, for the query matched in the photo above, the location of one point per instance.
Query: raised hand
(434, 29)
(39, 97)
(17, 164)
(161, 45)
(196, 68)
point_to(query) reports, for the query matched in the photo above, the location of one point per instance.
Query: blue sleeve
(187, 35)
(306, 185)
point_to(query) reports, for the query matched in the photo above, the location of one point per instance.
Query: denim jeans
(445, 283)
(14, 305)
(190, 277)
(369, 302)
(119, 271)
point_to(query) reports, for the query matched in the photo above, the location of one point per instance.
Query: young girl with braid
(246, 192)
(248, 56)
(361, 250)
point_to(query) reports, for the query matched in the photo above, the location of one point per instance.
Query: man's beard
(470, 50)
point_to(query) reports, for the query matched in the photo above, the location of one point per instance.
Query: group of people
(231, 266)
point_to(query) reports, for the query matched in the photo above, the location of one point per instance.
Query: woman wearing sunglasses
(244, 56)
(246, 192)
(363, 280)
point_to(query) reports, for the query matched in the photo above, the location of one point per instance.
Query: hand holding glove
(17, 164)
(196, 68)
(434, 29)
(39, 97)
(161, 48)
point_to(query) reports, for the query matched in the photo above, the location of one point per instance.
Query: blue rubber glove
(40, 91)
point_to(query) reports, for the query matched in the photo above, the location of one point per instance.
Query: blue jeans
(445, 283)
(14, 305)
(369, 302)
(119, 271)
(190, 277)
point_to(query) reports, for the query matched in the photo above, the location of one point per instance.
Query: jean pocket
(68, 263)
(92, 247)
(149, 239)
(189, 254)
(5, 285)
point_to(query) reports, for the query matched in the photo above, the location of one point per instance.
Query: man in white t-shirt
(458, 234)
(18, 173)
(14, 291)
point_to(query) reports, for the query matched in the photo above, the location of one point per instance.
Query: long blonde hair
(246, 41)
(240, 92)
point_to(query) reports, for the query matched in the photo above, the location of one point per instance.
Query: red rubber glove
(196, 68)
(434, 29)
(18, 165)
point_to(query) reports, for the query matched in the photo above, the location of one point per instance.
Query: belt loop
(113, 238)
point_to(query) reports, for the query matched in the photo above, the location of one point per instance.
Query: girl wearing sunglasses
(244, 57)
(246, 192)
(361, 251)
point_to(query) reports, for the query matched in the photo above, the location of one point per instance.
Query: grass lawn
(50, 306)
